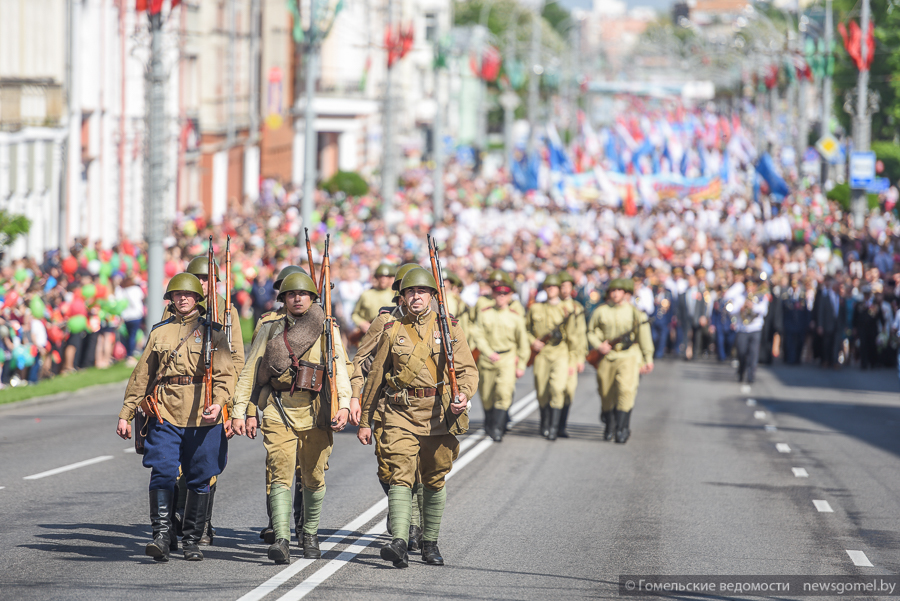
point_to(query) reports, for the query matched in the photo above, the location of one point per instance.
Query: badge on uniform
(401, 340)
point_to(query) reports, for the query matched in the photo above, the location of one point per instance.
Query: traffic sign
(881, 184)
(862, 170)
(829, 147)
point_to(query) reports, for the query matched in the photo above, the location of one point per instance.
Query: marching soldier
(362, 363)
(579, 339)
(419, 417)
(621, 333)
(503, 342)
(182, 434)
(285, 371)
(553, 333)
(455, 305)
(372, 300)
(496, 278)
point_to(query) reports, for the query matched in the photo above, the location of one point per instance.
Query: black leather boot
(415, 537)
(196, 508)
(209, 532)
(267, 534)
(311, 546)
(608, 418)
(431, 554)
(161, 521)
(387, 489)
(395, 552)
(555, 415)
(298, 511)
(623, 422)
(545, 421)
(280, 551)
(499, 425)
(488, 421)
(563, 419)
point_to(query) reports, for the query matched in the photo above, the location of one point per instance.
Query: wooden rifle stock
(545, 339)
(595, 356)
(443, 319)
(331, 358)
(309, 259)
(228, 293)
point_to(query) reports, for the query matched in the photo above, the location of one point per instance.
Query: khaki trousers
(405, 453)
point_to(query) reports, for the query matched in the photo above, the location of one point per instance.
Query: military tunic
(578, 352)
(551, 365)
(500, 331)
(618, 373)
(370, 303)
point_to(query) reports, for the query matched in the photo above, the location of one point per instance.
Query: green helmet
(418, 277)
(200, 266)
(404, 269)
(551, 280)
(565, 276)
(285, 273)
(183, 282)
(297, 281)
(384, 270)
(452, 278)
(500, 276)
(625, 284)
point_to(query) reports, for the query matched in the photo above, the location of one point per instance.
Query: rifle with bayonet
(330, 357)
(228, 293)
(309, 258)
(443, 319)
(212, 312)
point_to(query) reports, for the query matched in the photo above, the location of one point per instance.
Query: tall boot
(608, 418)
(563, 419)
(280, 502)
(545, 421)
(555, 416)
(499, 424)
(387, 492)
(298, 510)
(623, 430)
(196, 508)
(267, 534)
(209, 532)
(488, 421)
(161, 521)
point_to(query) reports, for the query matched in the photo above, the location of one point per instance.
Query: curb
(65, 396)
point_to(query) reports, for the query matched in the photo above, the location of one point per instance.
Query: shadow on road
(809, 376)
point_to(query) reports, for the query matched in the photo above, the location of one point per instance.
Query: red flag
(853, 43)
(630, 206)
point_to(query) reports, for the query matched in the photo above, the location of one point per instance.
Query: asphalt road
(701, 488)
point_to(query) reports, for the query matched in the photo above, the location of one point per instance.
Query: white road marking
(783, 448)
(859, 559)
(519, 411)
(759, 414)
(2, 487)
(770, 428)
(751, 402)
(745, 389)
(66, 468)
(823, 506)
(800, 472)
(129, 450)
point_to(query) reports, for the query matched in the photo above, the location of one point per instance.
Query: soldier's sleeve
(247, 380)
(478, 337)
(362, 361)
(358, 309)
(143, 373)
(529, 325)
(595, 335)
(237, 344)
(342, 380)
(576, 330)
(645, 338)
(523, 344)
(223, 373)
(466, 370)
(375, 382)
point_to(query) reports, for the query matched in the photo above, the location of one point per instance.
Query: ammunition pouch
(396, 397)
(627, 342)
(456, 424)
(556, 336)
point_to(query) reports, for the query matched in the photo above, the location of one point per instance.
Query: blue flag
(765, 166)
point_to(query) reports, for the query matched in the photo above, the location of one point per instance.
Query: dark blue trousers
(201, 453)
(659, 331)
(725, 338)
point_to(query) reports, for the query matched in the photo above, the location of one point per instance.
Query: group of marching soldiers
(407, 389)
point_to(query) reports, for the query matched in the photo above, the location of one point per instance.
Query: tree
(12, 227)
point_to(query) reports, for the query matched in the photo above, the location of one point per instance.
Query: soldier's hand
(520, 373)
(536, 346)
(494, 357)
(355, 411)
(580, 367)
(364, 326)
(229, 431)
(238, 425)
(211, 415)
(340, 420)
(460, 405)
(604, 348)
(646, 369)
(252, 426)
(124, 429)
(571, 371)
(364, 435)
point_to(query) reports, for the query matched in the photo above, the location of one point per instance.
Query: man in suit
(828, 320)
(693, 315)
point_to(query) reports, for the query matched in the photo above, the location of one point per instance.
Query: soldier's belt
(503, 352)
(422, 392)
(182, 380)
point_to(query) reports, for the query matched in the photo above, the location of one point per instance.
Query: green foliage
(348, 182)
(247, 329)
(557, 15)
(12, 226)
(889, 154)
(841, 194)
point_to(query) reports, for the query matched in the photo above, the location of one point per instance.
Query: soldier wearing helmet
(285, 371)
(376, 297)
(419, 416)
(579, 339)
(187, 436)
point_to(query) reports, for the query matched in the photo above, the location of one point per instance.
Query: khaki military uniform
(500, 331)
(551, 365)
(419, 427)
(370, 303)
(458, 309)
(579, 351)
(618, 373)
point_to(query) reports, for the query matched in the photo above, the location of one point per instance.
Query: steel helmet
(565, 276)
(452, 278)
(295, 282)
(551, 280)
(183, 282)
(384, 270)
(404, 269)
(418, 278)
(200, 266)
(285, 273)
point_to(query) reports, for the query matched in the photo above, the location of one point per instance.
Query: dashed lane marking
(800, 472)
(66, 468)
(770, 428)
(759, 414)
(129, 450)
(751, 402)
(859, 559)
(823, 506)
(782, 447)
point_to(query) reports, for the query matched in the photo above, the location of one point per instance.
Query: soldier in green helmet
(297, 426)
(553, 335)
(419, 417)
(183, 435)
(579, 339)
(372, 300)
(496, 278)
(621, 333)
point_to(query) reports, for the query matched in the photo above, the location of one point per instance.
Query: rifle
(595, 356)
(228, 293)
(546, 337)
(330, 357)
(443, 319)
(309, 258)
(212, 312)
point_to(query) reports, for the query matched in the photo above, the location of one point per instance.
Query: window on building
(431, 23)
